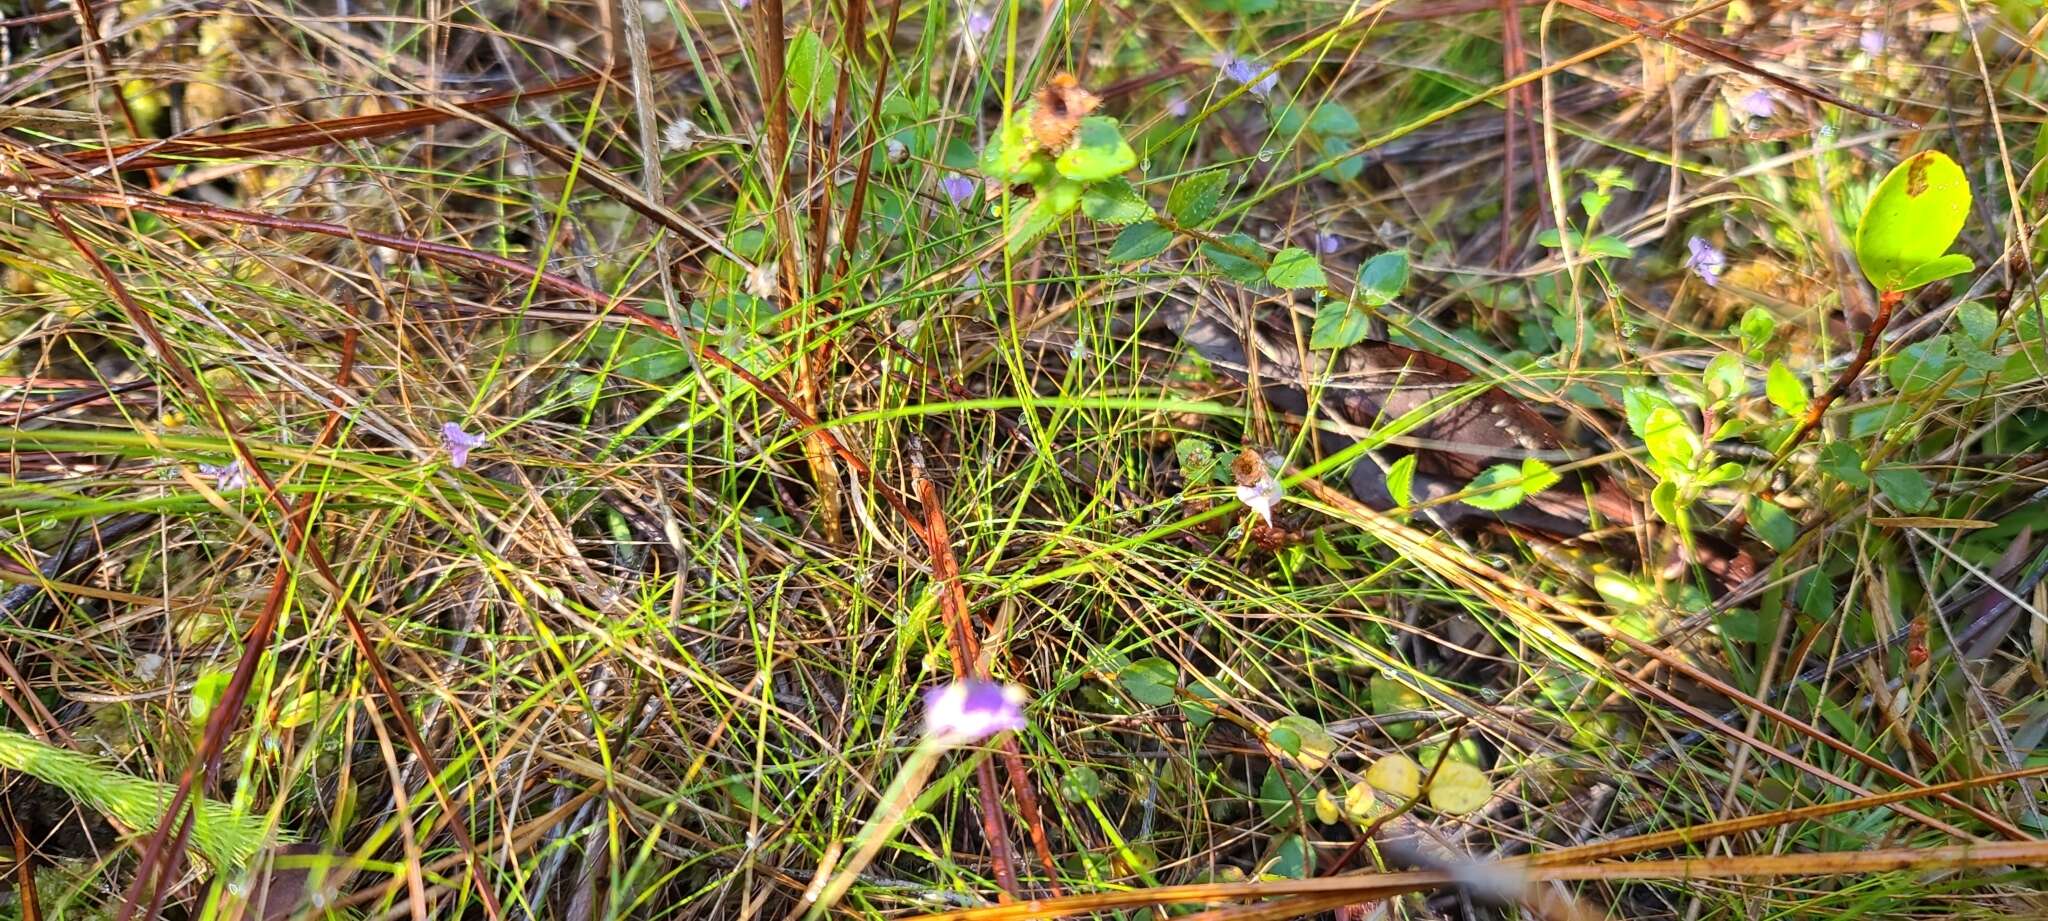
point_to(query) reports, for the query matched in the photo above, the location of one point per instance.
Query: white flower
(1261, 496)
(681, 134)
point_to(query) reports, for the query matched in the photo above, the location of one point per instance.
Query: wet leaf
(1099, 152)
(1195, 200)
(1295, 267)
(1383, 278)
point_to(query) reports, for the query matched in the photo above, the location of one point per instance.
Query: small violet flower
(1759, 104)
(1177, 106)
(1245, 72)
(979, 22)
(226, 477)
(1872, 42)
(1328, 243)
(1705, 260)
(958, 188)
(459, 443)
(969, 711)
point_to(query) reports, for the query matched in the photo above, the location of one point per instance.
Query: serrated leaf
(1979, 322)
(1401, 480)
(1496, 489)
(1911, 220)
(1906, 487)
(1195, 200)
(1114, 201)
(1013, 154)
(1295, 267)
(1383, 278)
(1139, 242)
(1537, 476)
(1152, 682)
(1237, 268)
(1030, 225)
(810, 74)
(1099, 151)
(1785, 390)
(1338, 325)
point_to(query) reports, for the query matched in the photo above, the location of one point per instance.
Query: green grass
(656, 674)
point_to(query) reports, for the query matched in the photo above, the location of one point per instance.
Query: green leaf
(1151, 682)
(1501, 485)
(1391, 696)
(1936, 270)
(1785, 390)
(1911, 220)
(1724, 377)
(1334, 120)
(1139, 242)
(1035, 221)
(1841, 460)
(1013, 155)
(1383, 278)
(1772, 524)
(1906, 487)
(1233, 266)
(1197, 461)
(1196, 199)
(1979, 322)
(1638, 403)
(1099, 152)
(1758, 328)
(1670, 437)
(1303, 739)
(1664, 499)
(1291, 858)
(1604, 245)
(1401, 479)
(1338, 325)
(810, 73)
(1283, 791)
(1114, 201)
(1060, 196)
(1295, 267)
(1537, 476)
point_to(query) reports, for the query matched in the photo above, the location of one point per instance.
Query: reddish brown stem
(1886, 303)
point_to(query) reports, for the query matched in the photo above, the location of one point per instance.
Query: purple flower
(1177, 106)
(1872, 42)
(958, 188)
(1704, 259)
(1328, 243)
(979, 22)
(1759, 104)
(965, 712)
(1245, 72)
(459, 443)
(227, 477)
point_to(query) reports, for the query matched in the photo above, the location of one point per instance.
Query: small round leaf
(1910, 221)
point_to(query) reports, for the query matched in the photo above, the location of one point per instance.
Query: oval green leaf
(1910, 221)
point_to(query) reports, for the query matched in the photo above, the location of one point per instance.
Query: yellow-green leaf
(1910, 221)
